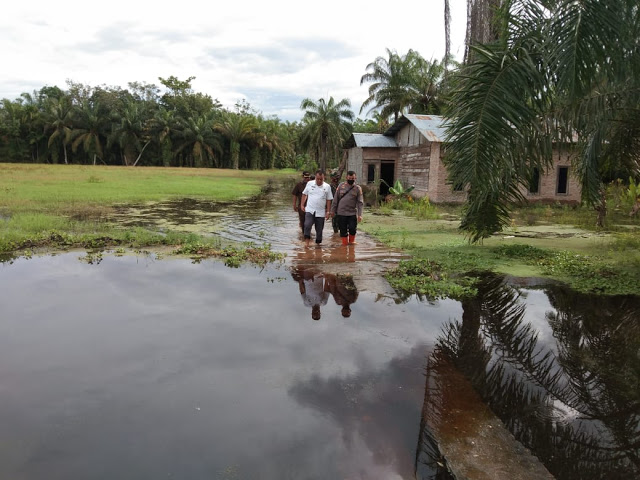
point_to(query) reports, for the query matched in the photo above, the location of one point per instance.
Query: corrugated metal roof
(371, 140)
(428, 125)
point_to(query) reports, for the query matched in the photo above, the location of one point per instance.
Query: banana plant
(398, 190)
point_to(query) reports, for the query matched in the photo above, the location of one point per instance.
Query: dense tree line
(171, 125)
(142, 126)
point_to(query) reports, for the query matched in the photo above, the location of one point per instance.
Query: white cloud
(261, 51)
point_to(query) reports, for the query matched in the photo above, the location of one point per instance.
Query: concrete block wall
(440, 191)
(549, 182)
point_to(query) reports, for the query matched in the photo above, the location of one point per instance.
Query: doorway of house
(386, 173)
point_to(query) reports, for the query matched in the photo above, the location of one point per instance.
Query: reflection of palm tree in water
(315, 288)
(577, 409)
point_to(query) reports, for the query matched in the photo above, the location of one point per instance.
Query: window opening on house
(534, 181)
(563, 176)
(371, 173)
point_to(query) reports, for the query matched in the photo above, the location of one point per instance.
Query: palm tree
(131, 133)
(89, 127)
(12, 130)
(58, 120)
(403, 83)
(326, 126)
(163, 127)
(387, 91)
(237, 129)
(560, 72)
(280, 143)
(423, 83)
(199, 138)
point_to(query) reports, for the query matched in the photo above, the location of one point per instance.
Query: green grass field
(62, 205)
(553, 244)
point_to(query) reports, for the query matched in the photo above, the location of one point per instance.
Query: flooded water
(135, 367)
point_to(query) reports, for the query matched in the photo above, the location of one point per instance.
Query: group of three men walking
(315, 202)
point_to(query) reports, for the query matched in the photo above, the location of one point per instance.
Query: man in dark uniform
(297, 198)
(347, 206)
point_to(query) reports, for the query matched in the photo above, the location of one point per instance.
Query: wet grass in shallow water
(232, 256)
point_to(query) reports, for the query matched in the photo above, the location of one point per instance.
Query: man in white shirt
(316, 199)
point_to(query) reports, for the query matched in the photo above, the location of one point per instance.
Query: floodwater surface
(138, 367)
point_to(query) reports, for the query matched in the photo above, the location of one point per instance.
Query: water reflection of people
(316, 287)
(344, 292)
(313, 288)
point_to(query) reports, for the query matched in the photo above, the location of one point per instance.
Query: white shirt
(317, 196)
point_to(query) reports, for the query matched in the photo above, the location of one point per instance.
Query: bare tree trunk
(481, 23)
(447, 35)
(66, 160)
(145, 146)
(343, 163)
(602, 208)
(323, 154)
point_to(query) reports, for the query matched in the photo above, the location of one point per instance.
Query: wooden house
(411, 151)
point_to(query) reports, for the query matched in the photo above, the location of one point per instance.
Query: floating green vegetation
(233, 256)
(431, 279)
(585, 273)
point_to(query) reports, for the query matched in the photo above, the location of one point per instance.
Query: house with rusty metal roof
(411, 151)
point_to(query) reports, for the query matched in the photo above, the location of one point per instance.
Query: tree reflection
(575, 401)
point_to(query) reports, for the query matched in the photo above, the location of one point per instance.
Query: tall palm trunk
(235, 155)
(447, 34)
(323, 154)
(601, 208)
(255, 159)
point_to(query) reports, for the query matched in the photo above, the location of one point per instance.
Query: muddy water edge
(135, 366)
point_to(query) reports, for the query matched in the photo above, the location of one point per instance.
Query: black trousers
(311, 220)
(347, 223)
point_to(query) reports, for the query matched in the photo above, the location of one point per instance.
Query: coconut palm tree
(325, 127)
(565, 72)
(237, 129)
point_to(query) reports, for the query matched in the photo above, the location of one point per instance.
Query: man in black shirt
(297, 198)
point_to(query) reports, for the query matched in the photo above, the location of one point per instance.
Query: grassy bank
(66, 205)
(551, 242)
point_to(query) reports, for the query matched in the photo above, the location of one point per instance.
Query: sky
(271, 54)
